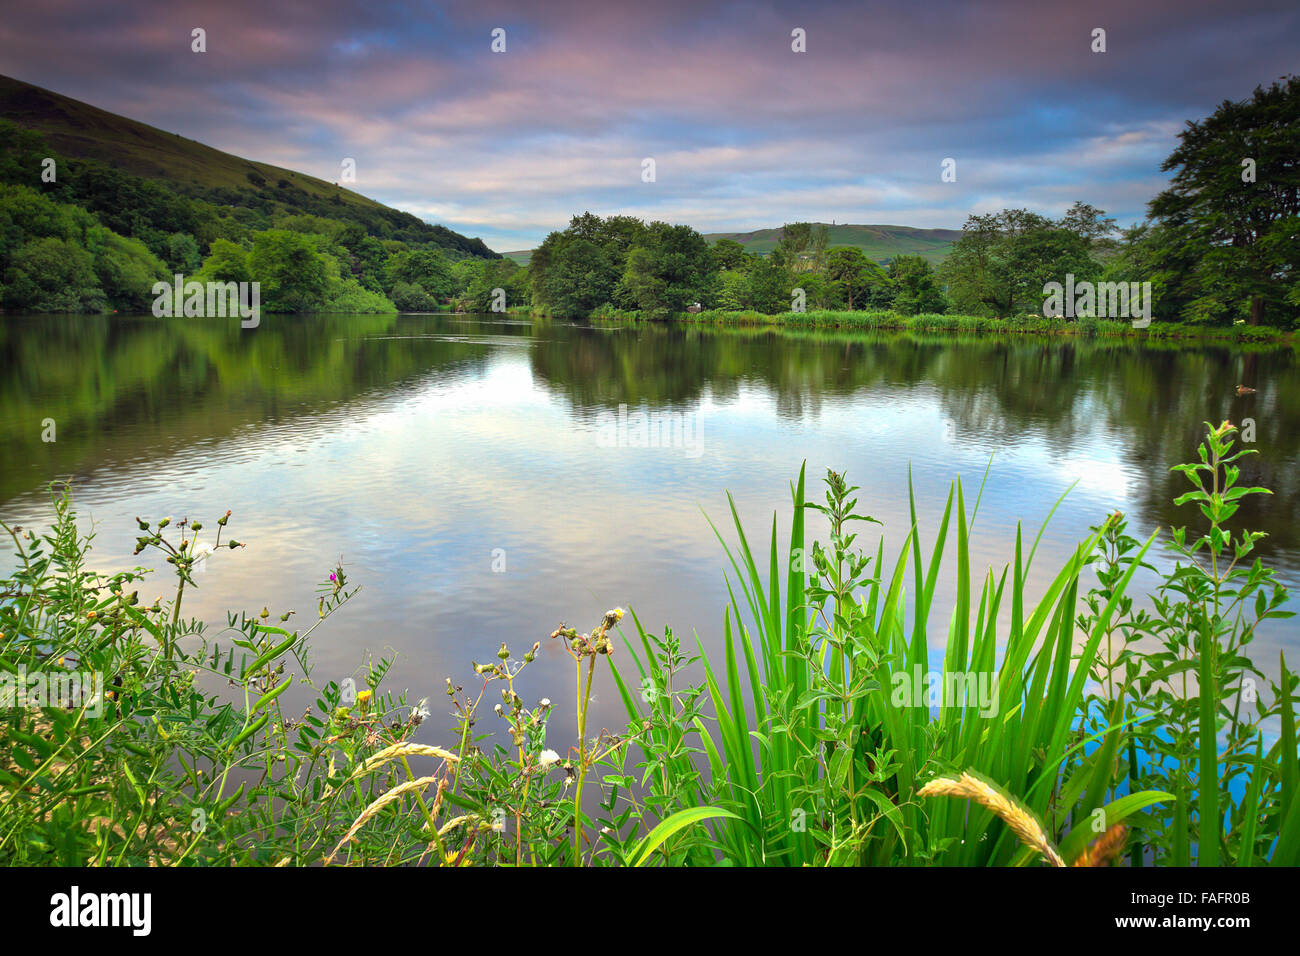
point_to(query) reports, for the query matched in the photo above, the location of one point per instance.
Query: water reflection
(414, 447)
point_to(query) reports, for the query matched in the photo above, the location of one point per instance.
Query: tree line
(1220, 245)
(92, 238)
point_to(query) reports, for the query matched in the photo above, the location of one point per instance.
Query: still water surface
(470, 471)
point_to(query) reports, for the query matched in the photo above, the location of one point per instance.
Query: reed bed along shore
(1098, 730)
(887, 321)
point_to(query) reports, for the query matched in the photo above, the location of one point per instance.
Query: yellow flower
(363, 699)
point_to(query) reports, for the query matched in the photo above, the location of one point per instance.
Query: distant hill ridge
(878, 242)
(81, 131)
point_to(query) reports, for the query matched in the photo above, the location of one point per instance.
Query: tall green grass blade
(673, 824)
(1211, 825)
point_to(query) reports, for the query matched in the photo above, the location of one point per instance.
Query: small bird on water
(1245, 390)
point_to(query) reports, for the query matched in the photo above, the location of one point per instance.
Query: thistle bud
(504, 652)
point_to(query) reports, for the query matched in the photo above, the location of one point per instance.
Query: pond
(487, 477)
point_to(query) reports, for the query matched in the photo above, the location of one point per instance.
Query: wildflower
(544, 702)
(420, 712)
(546, 758)
(363, 699)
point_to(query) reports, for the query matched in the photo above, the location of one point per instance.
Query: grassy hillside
(880, 243)
(80, 131)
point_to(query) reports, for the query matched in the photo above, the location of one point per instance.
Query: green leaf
(1112, 813)
(678, 821)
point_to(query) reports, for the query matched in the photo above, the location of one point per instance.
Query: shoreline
(932, 322)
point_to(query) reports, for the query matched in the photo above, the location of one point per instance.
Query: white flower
(200, 554)
(544, 702)
(547, 757)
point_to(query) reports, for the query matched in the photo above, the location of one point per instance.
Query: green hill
(77, 130)
(881, 243)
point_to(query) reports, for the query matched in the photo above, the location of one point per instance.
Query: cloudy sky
(745, 133)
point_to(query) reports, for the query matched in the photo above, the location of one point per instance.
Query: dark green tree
(863, 283)
(916, 288)
(668, 270)
(728, 253)
(293, 275)
(1235, 200)
(1003, 260)
(768, 287)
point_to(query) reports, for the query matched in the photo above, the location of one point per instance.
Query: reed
(843, 722)
(818, 743)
